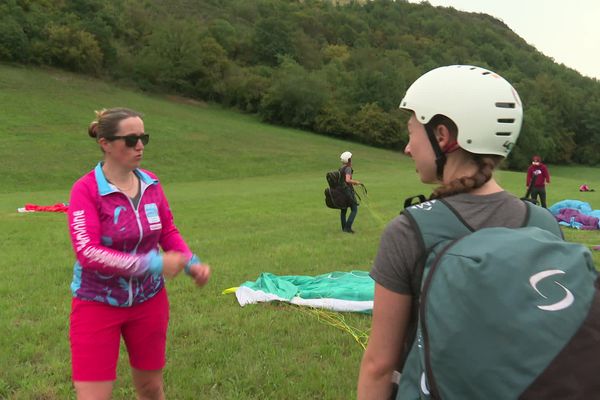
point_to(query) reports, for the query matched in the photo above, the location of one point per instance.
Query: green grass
(247, 197)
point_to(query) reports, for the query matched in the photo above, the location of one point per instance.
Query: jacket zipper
(139, 223)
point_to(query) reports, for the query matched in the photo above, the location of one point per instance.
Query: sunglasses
(131, 140)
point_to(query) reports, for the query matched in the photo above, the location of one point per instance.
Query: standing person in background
(538, 172)
(118, 217)
(346, 172)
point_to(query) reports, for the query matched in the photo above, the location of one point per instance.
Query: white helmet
(486, 108)
(345, 156)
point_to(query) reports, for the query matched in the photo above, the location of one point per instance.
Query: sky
(567, 31)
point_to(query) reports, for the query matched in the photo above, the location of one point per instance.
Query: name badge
(152, 213)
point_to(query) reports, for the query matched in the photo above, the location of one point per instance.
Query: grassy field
(247, 197)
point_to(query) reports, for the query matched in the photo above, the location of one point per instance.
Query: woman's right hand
(173, 263)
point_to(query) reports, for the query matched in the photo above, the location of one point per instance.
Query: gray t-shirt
(399, 262)
(346, 170)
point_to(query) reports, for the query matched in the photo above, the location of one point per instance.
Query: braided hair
(486, 165)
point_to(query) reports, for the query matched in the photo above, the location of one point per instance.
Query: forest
(322, 66)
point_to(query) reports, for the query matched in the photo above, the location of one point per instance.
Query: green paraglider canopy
(337, 291)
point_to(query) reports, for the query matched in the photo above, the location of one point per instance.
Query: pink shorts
(96, 330)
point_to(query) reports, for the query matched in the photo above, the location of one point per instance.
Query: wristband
(193, 260)
(155, 262)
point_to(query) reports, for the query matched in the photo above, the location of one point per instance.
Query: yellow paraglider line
(332, 318)
(362, 195)
(338, 321)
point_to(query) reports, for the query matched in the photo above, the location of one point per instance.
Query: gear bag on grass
(336, 195)
(504, 313)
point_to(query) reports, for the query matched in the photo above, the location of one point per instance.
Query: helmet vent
(503, 133)
(506, 120)
(505, 105)
(486, 73)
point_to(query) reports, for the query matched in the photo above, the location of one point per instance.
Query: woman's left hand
(200, 273)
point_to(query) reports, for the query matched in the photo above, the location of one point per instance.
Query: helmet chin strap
(440, 157)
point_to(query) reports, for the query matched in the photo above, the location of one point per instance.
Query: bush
(333, 121)
(14, 45)
(373, 125)
(296, 97)
(71, 48)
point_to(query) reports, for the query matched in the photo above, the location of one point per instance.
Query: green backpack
(504, 313)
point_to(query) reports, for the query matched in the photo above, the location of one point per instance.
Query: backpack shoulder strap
(542, 218)
(343, 176)
(436, 221)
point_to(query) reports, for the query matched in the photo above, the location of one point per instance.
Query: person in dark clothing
(346, 175)
(538, 172)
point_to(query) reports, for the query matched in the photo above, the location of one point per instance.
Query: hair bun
(93, 129)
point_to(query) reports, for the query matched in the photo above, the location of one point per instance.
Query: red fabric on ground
(58, 207)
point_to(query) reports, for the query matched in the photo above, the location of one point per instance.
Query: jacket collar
(105, 187)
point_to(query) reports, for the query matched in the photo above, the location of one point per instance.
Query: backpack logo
(428, 205)
(562, 304)
(424, 387)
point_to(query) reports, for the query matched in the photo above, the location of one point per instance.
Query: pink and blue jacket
(117, 244)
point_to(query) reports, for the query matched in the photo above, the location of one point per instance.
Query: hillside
(336, 68)
(44, 143)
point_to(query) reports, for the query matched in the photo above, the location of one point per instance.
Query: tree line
(336, 69)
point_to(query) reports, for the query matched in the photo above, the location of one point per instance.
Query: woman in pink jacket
(118, 218)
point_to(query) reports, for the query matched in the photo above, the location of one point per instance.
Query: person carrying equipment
(348, 183)
(463, 121)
